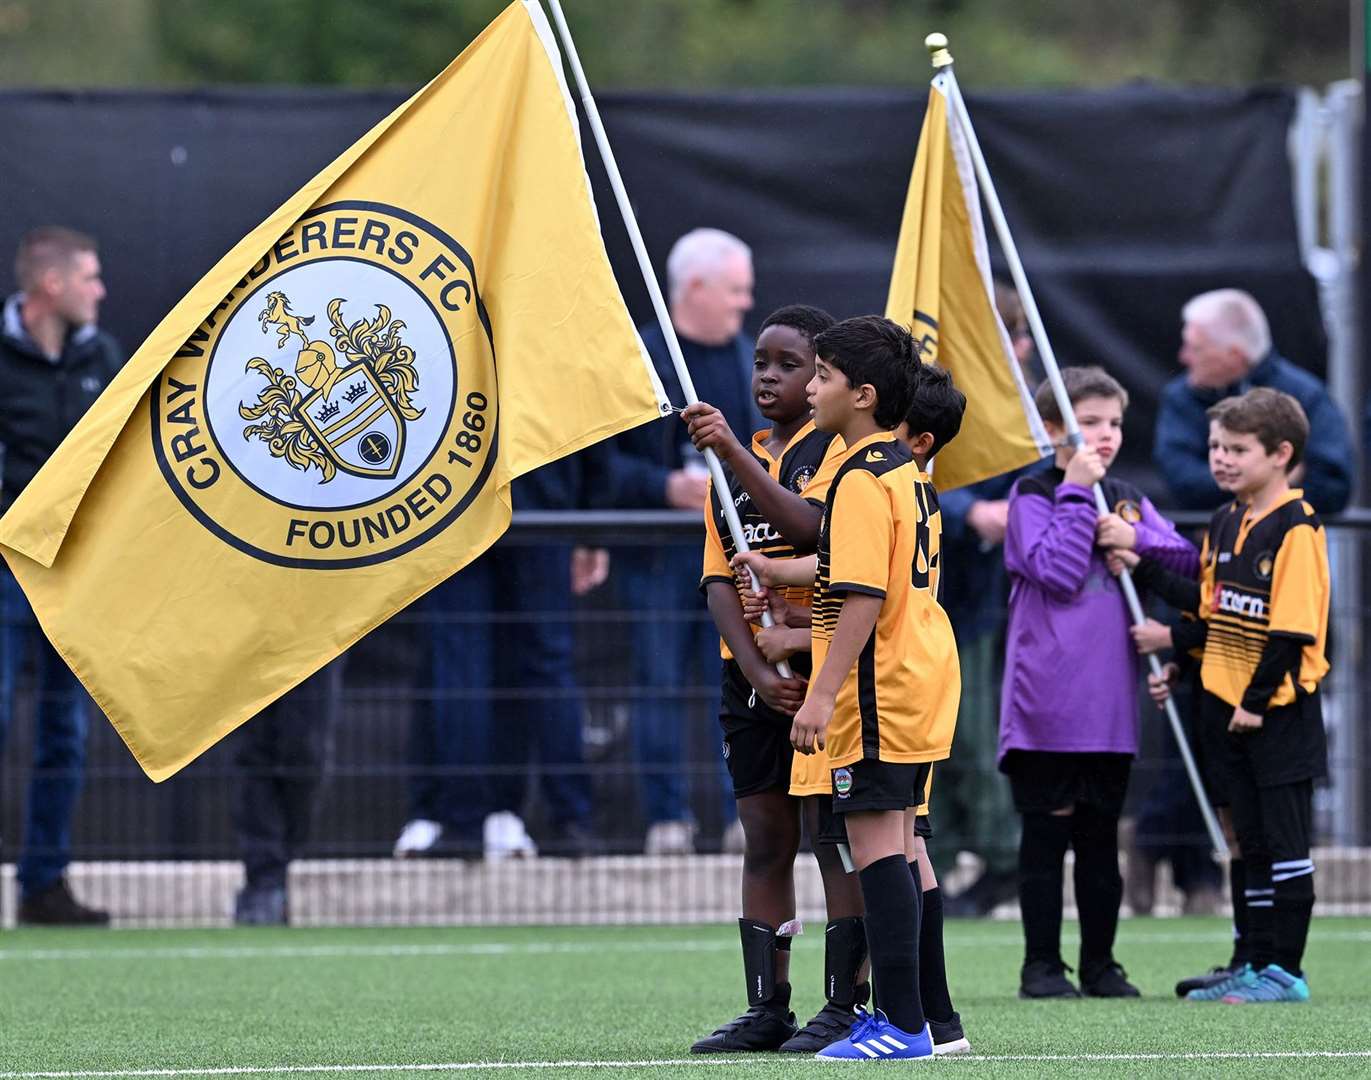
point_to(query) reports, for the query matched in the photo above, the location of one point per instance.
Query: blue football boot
(1272, 985)
(1216, 991)
(874, 1038)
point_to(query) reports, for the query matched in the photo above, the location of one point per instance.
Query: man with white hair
(709, 286)
(1226, 350)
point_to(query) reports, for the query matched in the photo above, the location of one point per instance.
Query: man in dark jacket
(1226, 351)
(54, 362)
(676, 648)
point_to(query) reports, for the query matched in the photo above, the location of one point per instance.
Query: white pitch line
(455, 1066)
(1198, 1055)
(655, 1063)
(535, 948)
(258, 952)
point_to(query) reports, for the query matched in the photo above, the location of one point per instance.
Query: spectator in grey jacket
(1226, 350)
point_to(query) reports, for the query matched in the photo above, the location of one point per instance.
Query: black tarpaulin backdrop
(1124, 202)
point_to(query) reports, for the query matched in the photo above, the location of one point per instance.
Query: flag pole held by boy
(941, 288)
(673, 345)
(946, 95)
(328, 423)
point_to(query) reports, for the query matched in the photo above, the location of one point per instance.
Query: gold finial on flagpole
(936, 44)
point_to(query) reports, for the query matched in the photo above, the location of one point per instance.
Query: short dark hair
(45, 247)
(1272, 416)
(938, 407)
(807, 321)
(1081, 383)
(872, 350)
(1219, 410)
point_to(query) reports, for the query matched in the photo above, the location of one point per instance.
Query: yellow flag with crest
(327, 425)
(941, 287)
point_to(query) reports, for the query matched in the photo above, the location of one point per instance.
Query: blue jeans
(505, 691)
(675, 660)
(59, 739)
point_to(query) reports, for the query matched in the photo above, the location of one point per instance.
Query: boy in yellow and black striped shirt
(933, 420)
(1264, 596)
(777, 487)
(883, 699)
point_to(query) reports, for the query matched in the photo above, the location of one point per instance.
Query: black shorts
(1291, 745)
(832, 827)
(1046, 780)
(1210, 744)
(879, 785)
(757, 746)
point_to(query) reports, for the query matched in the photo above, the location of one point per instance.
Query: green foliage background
(680, 43)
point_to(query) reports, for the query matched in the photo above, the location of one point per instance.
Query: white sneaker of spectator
(670, 838)
(506, 838)
(417, 838)
(735, 843)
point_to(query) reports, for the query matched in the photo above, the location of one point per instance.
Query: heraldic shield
(357, 423)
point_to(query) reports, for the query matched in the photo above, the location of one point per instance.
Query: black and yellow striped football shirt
(899, 703)
(1264, 576)
(806, 467)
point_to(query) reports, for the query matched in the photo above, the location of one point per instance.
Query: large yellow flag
(327, 425)
(941, 286)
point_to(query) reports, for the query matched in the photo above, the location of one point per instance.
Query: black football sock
(933, 992)
(1237, 885)
(1099, 886)
(1261, 915)
(892, 934)
(1293, 881)
(1042, 849)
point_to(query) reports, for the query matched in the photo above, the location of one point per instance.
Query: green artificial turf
(88, 1001)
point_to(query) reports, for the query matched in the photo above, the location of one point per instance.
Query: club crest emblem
(339, 408)
(1129, 510)
(335, 417)
(1265, 565)
(842, 782)
(801, 479)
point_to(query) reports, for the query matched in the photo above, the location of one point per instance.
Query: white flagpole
(616, 182)
(942, 62)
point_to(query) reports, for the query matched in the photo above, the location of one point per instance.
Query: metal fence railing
(502, 731)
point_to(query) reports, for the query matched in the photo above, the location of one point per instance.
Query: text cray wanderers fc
(339, 407)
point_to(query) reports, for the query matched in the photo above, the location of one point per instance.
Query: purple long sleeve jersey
(1071, 670)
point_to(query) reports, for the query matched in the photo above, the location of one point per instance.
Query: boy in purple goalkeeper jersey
(1068, 713)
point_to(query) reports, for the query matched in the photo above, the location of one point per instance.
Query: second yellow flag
(941, 288)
